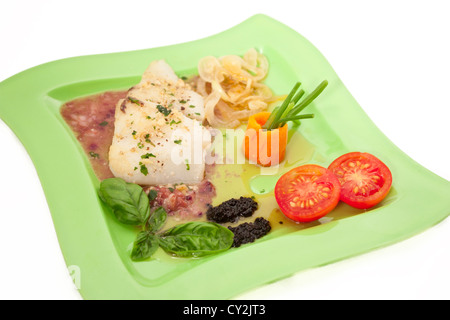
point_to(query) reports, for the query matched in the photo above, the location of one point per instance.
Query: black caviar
(250, 231)
(231, 210)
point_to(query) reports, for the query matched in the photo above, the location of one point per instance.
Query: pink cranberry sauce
(92, 120)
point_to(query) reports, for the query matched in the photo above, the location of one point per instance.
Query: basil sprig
(131, 206)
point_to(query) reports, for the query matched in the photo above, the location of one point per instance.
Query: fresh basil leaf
(157, 220)
(195, 239)
(144, 246)
(128, 201)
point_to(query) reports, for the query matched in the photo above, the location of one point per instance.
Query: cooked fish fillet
(159, 138)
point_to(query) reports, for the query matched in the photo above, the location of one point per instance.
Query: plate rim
(116, 281)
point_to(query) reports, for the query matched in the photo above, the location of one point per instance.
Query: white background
(393, 56)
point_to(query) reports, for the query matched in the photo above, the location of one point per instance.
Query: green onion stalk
(292, 106)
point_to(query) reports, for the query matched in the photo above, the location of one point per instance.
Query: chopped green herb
(104, 123)
(94, 155)
(171, 189)
(148, 156)
(182, 101)
(147, 139)
(144, 169)
(175, 122)
(197, 113)
(177, 141)
(140, 145)
(136, 101)
(163, 110)
(134, 133)
(135, 168)
(152, 194)
(191, 106)
(188, 167)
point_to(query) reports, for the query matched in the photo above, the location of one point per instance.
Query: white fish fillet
(159, 138)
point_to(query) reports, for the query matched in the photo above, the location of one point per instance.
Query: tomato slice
(307, 193)
(365, 180)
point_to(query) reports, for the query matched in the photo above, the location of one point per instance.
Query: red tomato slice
(365, 180)
(307, 193)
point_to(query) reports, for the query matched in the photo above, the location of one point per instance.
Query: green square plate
(92, 240)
